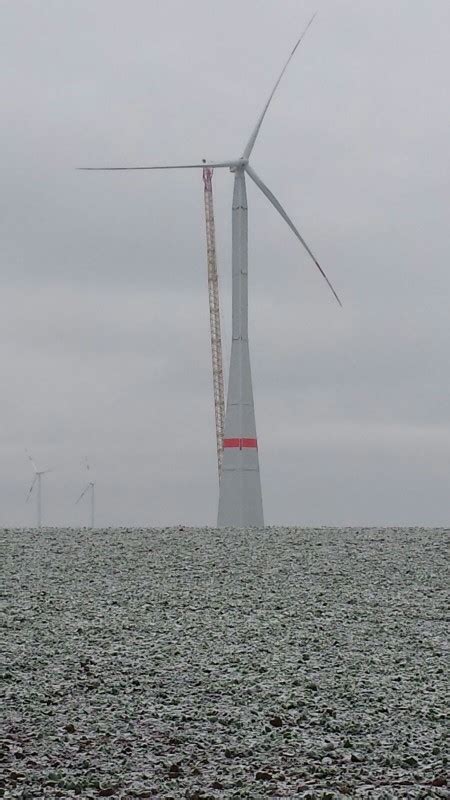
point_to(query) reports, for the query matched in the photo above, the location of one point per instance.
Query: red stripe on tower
(241, 443)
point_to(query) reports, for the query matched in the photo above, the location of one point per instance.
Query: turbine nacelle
(239, 165)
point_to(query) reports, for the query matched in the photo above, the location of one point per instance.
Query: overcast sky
(104, 332)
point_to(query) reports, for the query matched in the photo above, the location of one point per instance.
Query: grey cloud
(103, 315)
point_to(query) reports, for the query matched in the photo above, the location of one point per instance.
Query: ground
(196, 663)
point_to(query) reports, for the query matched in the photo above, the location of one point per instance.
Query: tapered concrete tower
(240, 501)
(240, 498)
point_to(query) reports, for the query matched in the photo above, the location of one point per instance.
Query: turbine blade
(82, 493)
(253, 137)
(169, 166)
(34, 465)
(266, 191)
(31, 488)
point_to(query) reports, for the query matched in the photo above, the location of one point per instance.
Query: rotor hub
(239, 165)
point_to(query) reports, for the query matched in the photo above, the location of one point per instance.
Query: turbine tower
(240, 498)
(89, 488)
(214, 316)
(38, 473)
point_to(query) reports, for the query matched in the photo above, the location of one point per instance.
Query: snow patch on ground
(197, 663)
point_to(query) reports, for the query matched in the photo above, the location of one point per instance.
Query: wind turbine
(38, 473)
(240, 498)
(89, 488)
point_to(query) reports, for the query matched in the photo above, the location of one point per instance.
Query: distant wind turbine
(89, 488)
(38, 473)
(240, 498)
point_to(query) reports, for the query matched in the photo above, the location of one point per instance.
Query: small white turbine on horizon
(38, 473)
(90, 487)
(240, 498)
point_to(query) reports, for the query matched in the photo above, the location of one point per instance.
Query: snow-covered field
(194, 663)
